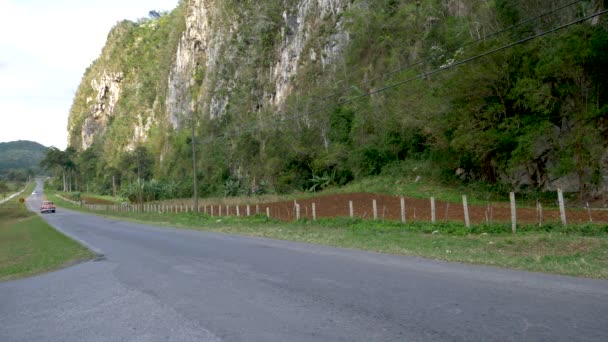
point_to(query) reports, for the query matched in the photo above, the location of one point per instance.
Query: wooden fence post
(297, 212)
(257, 209)
(433, 211)
(375, 209)
(513, 212)
(351, 210)
(589, 212)
(238, 211)
(540, 208)
(268, 212)
(248, 210)
(314, 211)
(402, 210)
(465, 207)
(562, 206)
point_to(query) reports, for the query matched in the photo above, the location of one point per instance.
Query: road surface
(162, 284)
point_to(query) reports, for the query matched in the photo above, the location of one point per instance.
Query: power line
(408, 66)
(521, 41)
(452, 50)
(420, 76)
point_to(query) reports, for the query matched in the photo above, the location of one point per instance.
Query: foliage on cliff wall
(532, 116)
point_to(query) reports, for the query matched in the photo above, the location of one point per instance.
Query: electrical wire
(420, 62)
(400, 83)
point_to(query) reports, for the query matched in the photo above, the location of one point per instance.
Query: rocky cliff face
(215, 59)
(207, 54)
(106, 92)
(270, 89)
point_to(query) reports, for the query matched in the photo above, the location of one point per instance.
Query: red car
(47, 207)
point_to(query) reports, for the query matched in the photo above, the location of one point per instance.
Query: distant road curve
(162, 284)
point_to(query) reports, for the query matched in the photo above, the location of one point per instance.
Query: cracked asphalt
(164, 284)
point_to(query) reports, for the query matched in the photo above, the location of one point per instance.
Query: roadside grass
(29, 246)
(423, 189)
(575, 250)
(420, 179)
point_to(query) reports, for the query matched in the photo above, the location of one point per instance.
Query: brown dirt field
(389, 208)
(93, 200)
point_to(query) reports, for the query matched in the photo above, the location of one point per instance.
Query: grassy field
(29, 246)
(573, 250)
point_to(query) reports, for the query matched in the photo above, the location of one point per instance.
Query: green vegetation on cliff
(272, 89)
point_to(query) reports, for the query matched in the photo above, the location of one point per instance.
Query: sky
(45, 47)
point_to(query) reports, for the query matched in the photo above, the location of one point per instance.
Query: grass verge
(29, 246)
(574, 250)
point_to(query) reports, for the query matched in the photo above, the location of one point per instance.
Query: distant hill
(21, 155)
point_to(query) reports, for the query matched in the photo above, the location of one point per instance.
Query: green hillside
(18, 158)
(289, 95)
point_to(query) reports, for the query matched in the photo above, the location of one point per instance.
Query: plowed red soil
(389, 208)
(93, 200)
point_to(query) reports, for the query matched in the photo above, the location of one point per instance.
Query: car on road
(47, 207)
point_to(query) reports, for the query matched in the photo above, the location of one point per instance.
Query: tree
(138, 163)
(87, 165)
(59, 162)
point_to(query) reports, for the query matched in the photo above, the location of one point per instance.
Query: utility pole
(194, 177)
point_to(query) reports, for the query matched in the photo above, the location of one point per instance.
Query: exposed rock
(108, 90)
(296, 31)
(141, 130)
(458, 8)
(205, 43)
(195, 45)
(90, 128)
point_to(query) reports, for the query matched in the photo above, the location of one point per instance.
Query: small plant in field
(321, 182)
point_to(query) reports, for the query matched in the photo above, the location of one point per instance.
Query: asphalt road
(162, 284)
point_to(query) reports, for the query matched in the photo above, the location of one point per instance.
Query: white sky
(45, 47)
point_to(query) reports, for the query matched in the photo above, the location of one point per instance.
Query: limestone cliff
(216, 57)
(277, 93)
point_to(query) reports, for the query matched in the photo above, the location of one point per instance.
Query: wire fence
(380, 208)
